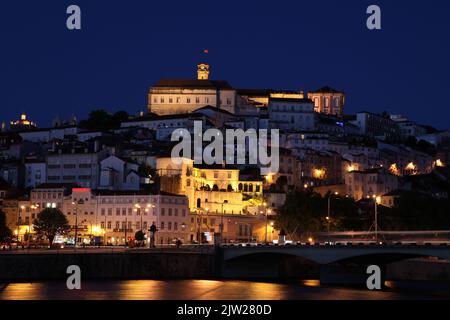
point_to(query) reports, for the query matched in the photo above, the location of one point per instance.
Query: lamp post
(265, 235)
(221, 225)
(33, 211)
(137, 209)
(76, 203)
(126, 227)
(19, 221)
(104, 232)
(329, 210)
(377, 200)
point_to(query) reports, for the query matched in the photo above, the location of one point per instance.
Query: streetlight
(329, 209)
(34, 208)
(267, 212)
(19, 222)
(221, 225)
(377, 200)
(76, 203)
(138, 210)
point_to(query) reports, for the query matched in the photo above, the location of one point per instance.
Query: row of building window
(57, 178)
(277, 108)
(128, 225)
(124, 211)
(188, 100)
(70, 166)
(119, 200)
(46, 195)
(326, 102)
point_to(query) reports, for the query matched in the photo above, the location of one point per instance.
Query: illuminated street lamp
(32, 211)
(328, 218)
(268, 211)
(377, 200)
(76, 203)
(439, 163)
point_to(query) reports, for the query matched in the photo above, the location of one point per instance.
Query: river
(216, 290)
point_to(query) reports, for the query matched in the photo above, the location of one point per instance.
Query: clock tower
(203, 71)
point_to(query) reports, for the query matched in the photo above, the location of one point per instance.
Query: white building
(185, 96)
(317, 141)
(377, 125)
(35, 173)
(114, 217)
(369, 183)
(292, 114)
(408, 128)
(165, 125)
(75, 165)
(119, 174)
(46, 135)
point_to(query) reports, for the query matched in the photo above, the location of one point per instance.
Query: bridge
(332, 254)
(335, 265)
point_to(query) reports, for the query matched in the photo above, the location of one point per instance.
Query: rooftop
(194, 84)
(326, 89)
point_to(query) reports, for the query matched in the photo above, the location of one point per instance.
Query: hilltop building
(168, 97)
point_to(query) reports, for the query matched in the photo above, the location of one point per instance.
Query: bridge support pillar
(347, 275)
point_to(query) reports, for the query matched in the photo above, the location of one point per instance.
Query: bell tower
(203, 71)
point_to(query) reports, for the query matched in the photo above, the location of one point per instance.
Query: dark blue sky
(125, 46)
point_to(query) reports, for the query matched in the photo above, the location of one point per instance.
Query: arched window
(245, 187)
(216, 187)
(230, 188)
(250, 188)
(240, 187)
(199, 203)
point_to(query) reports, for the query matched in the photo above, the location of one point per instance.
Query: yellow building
(210, 188)
(327, 100)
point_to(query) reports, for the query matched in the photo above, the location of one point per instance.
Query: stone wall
(130, 265)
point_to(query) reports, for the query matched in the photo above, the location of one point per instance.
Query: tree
(416, 211)
(139, 237)
(103, 120)
(306, 211)
(282, 181)
(5, 232)
(51, 222)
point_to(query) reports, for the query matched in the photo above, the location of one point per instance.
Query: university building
(328, 101)
(168, 97)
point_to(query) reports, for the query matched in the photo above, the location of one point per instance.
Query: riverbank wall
(99, 266)
(189, 265)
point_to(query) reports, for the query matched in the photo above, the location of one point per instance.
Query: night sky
(126, 46)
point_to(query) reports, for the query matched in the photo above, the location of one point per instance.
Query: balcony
(124, 230)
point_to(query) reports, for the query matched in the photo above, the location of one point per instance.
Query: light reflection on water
(193, 290)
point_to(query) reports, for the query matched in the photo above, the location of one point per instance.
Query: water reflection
(196, 290)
